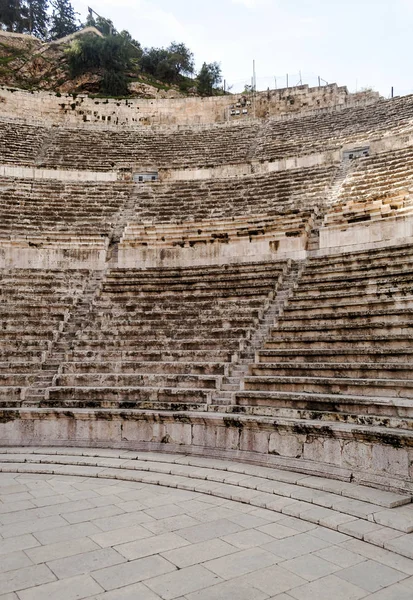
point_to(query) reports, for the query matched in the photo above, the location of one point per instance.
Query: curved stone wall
(141, 317)
(52, 108)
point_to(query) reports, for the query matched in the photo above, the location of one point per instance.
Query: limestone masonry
(253, 304)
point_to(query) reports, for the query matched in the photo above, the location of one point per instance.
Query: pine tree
(37, 17)
(11, 16)
(63, 20)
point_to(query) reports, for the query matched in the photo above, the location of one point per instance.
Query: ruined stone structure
(254, 304)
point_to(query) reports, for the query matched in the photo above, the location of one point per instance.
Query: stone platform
(117, 525)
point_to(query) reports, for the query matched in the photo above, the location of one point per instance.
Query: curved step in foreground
(381, 518)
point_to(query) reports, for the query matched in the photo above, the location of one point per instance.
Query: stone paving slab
(134, 571)
(187, 580)
(74, 588)
(327, 588)
(371, 575)
(156, 544)
(136, 591)
(236, 589)
(21, 579)
(85, 562)
(61, 550)
(198, 553)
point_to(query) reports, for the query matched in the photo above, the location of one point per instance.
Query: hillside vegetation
(96, 60)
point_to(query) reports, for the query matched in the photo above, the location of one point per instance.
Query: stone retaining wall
(49, 107)
(361, 455)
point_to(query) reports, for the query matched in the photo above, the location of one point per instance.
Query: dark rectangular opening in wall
(146, 176)
(356, 153)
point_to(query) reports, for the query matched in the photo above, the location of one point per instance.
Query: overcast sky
(358, 43)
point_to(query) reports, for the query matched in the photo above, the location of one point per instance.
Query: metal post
(287, 80)
(275, 81)
(392, 91)
(319, 81)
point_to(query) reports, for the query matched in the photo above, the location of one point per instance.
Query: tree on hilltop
(63, 20)
(105, 26)
(182, 59)
(128, 38)
(168, 64)
(209, 77)
(110, 57)
(25, 16)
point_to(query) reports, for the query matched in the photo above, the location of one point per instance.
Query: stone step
(322, 405)
(360, 306)
(145, 368)
(329, 414)
(349, 370)
(389, 388)
(149, 355)
(400, 356)
(230, 387)
(360, 327)
(357, 342)
(327, 320)
(379, 517)
(372, 273)
(126, 397)
(350, 291)
(369, 256)
(132, 380)
(225, 396)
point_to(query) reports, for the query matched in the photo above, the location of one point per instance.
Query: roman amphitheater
(206, 360)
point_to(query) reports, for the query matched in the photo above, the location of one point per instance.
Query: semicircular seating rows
(262, 317)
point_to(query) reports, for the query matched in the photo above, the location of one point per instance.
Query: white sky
(358, 43)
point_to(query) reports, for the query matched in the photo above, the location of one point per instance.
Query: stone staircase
(50, 367)
(124, 217)
(332, 196)
(234, 381)
(48, 142)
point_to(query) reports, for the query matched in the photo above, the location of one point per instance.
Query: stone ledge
(375, 456)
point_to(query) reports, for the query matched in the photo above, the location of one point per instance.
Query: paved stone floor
(70, 537)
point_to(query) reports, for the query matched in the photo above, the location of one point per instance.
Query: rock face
(27, 63)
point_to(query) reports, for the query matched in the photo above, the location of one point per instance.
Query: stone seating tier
(329, 131)
(342, 348)
(106, 149)
(20, 144)
(181, 326)
(54, 213)
(380, 187)
(31, 327)
(284, 193)
(62, 211)
(218, 231)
